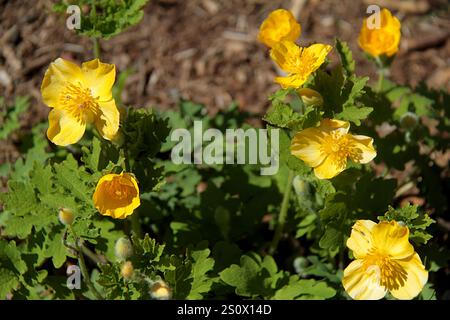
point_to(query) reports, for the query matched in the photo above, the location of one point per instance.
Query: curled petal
(361, 283)
(334, 124)
(291, 81)
(63, 128)
(107, 121)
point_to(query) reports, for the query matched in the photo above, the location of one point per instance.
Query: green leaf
(346, 57)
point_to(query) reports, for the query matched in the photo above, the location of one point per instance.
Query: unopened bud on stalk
(310, 97)
(127, 270)
(409, 120)
(123, 248)
(65, 216)
(160, 290)
(118, 139)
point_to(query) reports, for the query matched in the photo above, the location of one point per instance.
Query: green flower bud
(123, 248)
(119, 138)
(310, 97)
(66, 216)
(409, 121)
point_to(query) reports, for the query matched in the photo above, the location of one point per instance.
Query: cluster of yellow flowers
(78, 97)
(385, 260)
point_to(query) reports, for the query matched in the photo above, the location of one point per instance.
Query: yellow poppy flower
(385, 261)
(298, 62)
(382, 40)
(79, 96)
(279, 25)
(117, 195)
(327, 147)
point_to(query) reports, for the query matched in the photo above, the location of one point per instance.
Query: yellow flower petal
(362, 149)
(316, 54)
(334, 124)
(330, 167)
(279, 25)
(286, 54)
(63, 128)
(362, 284)
(59, 73)
(291, 81)
(416, 278)
(99, 77)
(392, 239)
(117, 195)
(360, 241)
(107, 122)
(306, 145)
(310, 97)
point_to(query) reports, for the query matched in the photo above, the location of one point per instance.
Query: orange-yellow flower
(279, 25)
(385, 261)
(383, 40)
(117, 195)
(298, 62)
(79, 96)
(327, 147)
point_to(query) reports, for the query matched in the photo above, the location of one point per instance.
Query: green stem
(83, 267)
(380, 79)
(283, 214)
(96, 47)
(135, 225)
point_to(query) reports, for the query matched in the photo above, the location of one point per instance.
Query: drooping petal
(392, 239)
(286, 54)
(107, 120)
(60, 73)
(330, 167)
(63, 128)
(416, 278)
(99, 77)
(362, 149)
(361, 283)
(360, 241)
(316, 54)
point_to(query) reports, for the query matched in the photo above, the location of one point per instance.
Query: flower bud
(160, 290)
(127, 270)
(409, 120)
(310, 97)
(123, 248)
(66, 216)
(119, 138)
(300, 264)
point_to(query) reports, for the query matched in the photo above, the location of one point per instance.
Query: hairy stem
(83, 267)
(96, 47)
(283, 214)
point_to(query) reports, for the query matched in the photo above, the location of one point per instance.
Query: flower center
(390, 274)
(337, 146)
(79, 102)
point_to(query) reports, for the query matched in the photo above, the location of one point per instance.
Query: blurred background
(206, 50)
